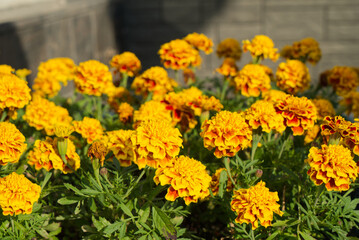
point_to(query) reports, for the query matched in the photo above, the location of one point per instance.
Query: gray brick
(340, 13)
(343, 31)
(84, 38)
(239, 31)
(185, 11)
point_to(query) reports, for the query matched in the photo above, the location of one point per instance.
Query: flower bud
(259, 173)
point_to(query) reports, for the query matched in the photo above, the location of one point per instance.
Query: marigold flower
(7, 69)
(117, 95)
(189, 76)
(299, 113)
(17, 194)
(12, 143)
(45, 87)
(293, 76)
(23, 73)
(324, 108)
(155, 80)
(63, 130)
(14, 92)
(311, 134)
(121, 146)
(178, 54)
(332, 165)
(89, 128)
(261, 47)
(127, 63)
(306, 49)
(155, 142)
(228, 68)
(92, 78)
(59, 69)
(252, 80)
(227, 132)
(351, 102)
(44, 114)
(343, 79)
(274, 95)
(334, 124)
(188, 179)
(214, 185)
(125, 112)
(200, 42)
(151, 110)
(99, 150)
(255, 203)
(262, 114)
(229, 48)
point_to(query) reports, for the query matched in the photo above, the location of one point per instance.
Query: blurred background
(32, 31)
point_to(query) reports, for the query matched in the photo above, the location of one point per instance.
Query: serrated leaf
(69, 200)
(273, 235)
(145, 214)
(223, 178)
(91, 192)
(46, 179)
(163, 223)
(112, 228)
(126, 210)
(77, 191)
(306, 236)
(43, 233)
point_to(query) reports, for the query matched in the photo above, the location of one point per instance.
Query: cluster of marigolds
(155, 139)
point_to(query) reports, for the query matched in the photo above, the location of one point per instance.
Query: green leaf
(126, 210)
(70, 187)
(223, 178)
(46, 179)
(69, 200)
(144, 215)
(90, 192)
(112, 228)
(43, 233)
(123, 230)
(163, 223)
(273, 235)
(306, 236)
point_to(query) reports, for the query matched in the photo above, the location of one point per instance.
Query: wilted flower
(188, 179)
(12, 143)
(156, 142)
(293, 76)
(189, 76)
(229, 48)
(120, 144)
(299, 113)
(332, 165)
(255, 203)
(126, 63)
(14, 92)
(89, 128)
(351, 102)
(251, 80)
(227, 132)
(200, 42)
(125, 112)
(324, 108)
(17, 194)
(261, 47)
(343, 79)
(214, 185)
(98, 150)
(228, 67)
(151, 110)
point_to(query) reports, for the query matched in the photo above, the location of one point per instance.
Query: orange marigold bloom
(335, 124)
(44, 114)
(121, 146)
(227, 132)
(332, 165)
(252, 80)
(188, 179)
(125, 112)
(89, 128)
(156, 143)
(311, 134)
(306, 49)
(324, 108)
(17, 194)
(255, 203)
(155, 80)
(7, 69)
(274, 95)
(261, 47)
(151, 110)
(14, 92)
(200, 42)
(351, 102)
(178, 54)
(12, 143)
(228, 67)
(343, 79)
(214, 185)
(127, 63)
(262, 114)
(229, 48)
(299, 113)
(293, 76)
(92, 78)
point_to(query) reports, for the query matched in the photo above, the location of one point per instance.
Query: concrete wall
(98, 29)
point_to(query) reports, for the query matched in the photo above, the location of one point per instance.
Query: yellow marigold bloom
(7, 69)
(227, 132)
(332, 165)
(255, 203)
(262, 47)
(127, 63)
(178, 54)
(306, 49)
(63, 130)
(156, 142)
(274, 95)
(299, 113)
(228, 67)
(188, 179)
(17, 194)
(12, 143)
(23, 73)
(214, 185)
(89, 128)
(125, 112)
(311, 134)
(324, 108)
(57, 69)
(117, 95)
(262, 114)
(44, 114)
(343, 79)
(46, 155)
(293, 76)
(14, 92)
(351, 102)
(46, 87)
(151, 110)
(200, 42)
(121, 146)
(92, 78)
(155, 80)
(252, 80)
(229, 48)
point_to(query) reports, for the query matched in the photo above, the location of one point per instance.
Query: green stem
(124, 80)
(224, 90)
(96, 170)
(3, 116)
(138, 179)
(226, 164)
(319, 194)
(252, 234)
(256, 60)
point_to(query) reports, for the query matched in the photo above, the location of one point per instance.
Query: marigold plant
(351, 103)
(200, 42)
(89, 128)
(126, 63)
(261, 47)
(121, 146)
(7, 69)
(342, 79)
(125, 112)
(151, 110)
(214, 184)
(324, 108)
(14, 92)
(228, 67)
(304, 50)
(229, 48)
